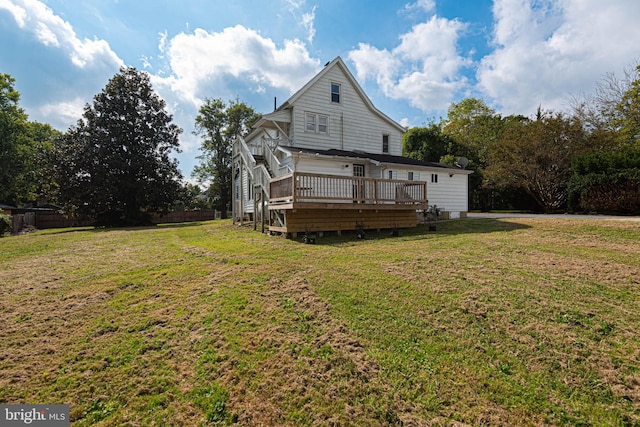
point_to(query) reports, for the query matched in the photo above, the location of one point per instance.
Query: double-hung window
(323, 124)
(385, 143)
(310, 119)
(316, 123)
(335, 92)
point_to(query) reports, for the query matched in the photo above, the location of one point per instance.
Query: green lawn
(485, 322)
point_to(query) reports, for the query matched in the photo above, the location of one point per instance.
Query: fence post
(17, 223)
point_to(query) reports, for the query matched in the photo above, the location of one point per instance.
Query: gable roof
(338, 62)
(378, 158)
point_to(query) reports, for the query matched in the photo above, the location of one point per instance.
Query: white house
(328, 160)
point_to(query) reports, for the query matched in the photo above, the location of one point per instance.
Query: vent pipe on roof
(275, 103)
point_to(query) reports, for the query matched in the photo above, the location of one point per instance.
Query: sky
(413, 58)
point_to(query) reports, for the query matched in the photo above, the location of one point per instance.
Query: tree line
(115, 167)
(587, 160)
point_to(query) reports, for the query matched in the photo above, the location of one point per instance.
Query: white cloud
(204, 59)
(547, 50)
(307, 19)
(19, 13)
(64, 112)
(423, 69)
(424, 5)
(308, 23)
(162, 43)
(51, 30)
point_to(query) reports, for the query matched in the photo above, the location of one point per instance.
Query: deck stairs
(261, 165)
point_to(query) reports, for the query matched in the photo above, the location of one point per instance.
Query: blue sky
(413, 58)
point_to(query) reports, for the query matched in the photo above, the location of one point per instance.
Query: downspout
(342, 131)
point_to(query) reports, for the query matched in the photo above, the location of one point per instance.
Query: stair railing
(272, 161)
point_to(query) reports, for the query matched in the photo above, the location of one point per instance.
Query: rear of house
(328, 160)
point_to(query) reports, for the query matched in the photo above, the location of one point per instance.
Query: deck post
(262, 207)
(293, 188)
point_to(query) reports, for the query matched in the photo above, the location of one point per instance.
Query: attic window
(385, 143)
(335, 92)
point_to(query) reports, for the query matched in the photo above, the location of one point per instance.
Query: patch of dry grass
(487, 322)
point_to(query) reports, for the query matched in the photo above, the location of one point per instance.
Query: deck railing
(300, 187)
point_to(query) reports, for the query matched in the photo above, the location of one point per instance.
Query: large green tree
(13, 123)
(428, 143)
(25, 149)
(536, 154)
(115, 165)
(628, 109)
(219, 125)
(474, 127)
(38, 179)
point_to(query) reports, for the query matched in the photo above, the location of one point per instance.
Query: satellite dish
(462, 162)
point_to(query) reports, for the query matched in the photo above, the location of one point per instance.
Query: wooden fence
(42, 220)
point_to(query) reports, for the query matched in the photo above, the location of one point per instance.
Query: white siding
(450, 193)
(248, 203)
(352, 125)
(342, 167)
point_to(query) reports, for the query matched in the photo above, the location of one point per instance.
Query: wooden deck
(315, 191)
(312, 202)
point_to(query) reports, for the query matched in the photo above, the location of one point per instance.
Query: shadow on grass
(443, 228)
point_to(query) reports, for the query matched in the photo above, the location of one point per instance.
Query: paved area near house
(554, 216)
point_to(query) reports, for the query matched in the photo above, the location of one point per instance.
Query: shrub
(5, 224)
(606, 182)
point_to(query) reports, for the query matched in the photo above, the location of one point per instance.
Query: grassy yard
(485, 322)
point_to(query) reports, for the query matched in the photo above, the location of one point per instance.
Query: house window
(434, 178)
(311, 122)
(393, 174)
(410, 176)
(358, 170)
(385, 143)
(316, 123)
(323, 124)
(335, 92)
